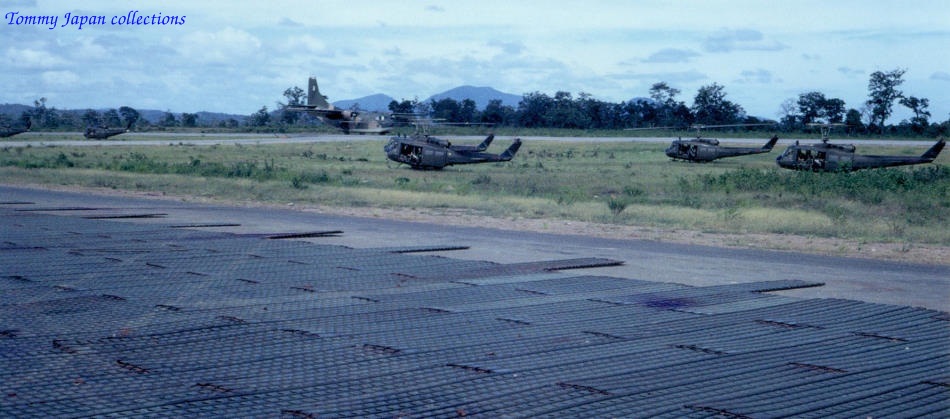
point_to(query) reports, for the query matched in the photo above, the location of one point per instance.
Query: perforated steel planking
(106, 318)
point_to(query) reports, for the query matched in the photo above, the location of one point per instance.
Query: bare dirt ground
(899, 252)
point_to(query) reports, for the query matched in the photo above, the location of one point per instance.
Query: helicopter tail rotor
(935, 150)
(510, 152)
(484, 145)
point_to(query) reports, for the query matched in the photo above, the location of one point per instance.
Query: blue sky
(238, 56)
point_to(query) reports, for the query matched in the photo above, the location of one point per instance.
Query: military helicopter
(828, 157)
(422, 151)
(101, 132)
(349, 121)
(708, 149)
(11, 131)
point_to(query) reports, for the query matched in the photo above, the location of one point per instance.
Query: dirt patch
(901, 252)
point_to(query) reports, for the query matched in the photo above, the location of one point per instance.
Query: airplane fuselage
(103, 133)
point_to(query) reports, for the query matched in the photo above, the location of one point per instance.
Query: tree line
(710, 106)
(662, 108)
(50, 118)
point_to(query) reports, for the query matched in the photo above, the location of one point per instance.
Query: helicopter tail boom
(934, 151)
(768, 146)
(474, 148)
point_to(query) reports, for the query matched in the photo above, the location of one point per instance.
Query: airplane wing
(328, 113)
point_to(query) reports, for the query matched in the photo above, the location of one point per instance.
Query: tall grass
(610, 182)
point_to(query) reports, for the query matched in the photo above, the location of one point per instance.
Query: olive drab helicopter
(828, 157)
(101, 132)
(424, 152)
(348, 121)
(704, 150)
(11, 130)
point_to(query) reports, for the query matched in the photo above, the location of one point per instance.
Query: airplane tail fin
(484, 145)
(314, 98)
(510, 152)
(935, 150)
(768, 146)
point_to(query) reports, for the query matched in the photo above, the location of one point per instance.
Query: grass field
(625, 183)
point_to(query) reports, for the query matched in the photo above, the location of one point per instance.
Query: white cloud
(286, 21)
(850, 72)
(508, 47)
(671, 55)
(88, 48)
(238, 58)
(728, 40)
(60, 79)
(304, 44)
(760, 76)
(672, 77)
(32, 59)
(226, 46)
(940, 76)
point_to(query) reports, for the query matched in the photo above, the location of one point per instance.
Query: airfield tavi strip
(108, 318)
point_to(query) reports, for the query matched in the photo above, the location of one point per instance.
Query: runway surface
(867, 280)
(130, 307)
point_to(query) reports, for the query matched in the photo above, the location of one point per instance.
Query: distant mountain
(13, 110)
(151, 115)
(372, 103)
(215, 117)
(481, 96)
(204, 118)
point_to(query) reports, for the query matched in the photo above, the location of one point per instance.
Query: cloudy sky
(238, 56)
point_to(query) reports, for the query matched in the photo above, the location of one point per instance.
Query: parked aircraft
(828, 157)
(349, 121)
(101, 133)
(422, 151)
(704, 150)
(11, 130)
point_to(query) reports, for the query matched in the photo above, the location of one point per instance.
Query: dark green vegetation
(557, 113)
(608, 182)
(710, 106)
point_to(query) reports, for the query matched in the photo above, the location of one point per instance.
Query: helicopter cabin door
(838, 161)
(410, 153)
(434, 157)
